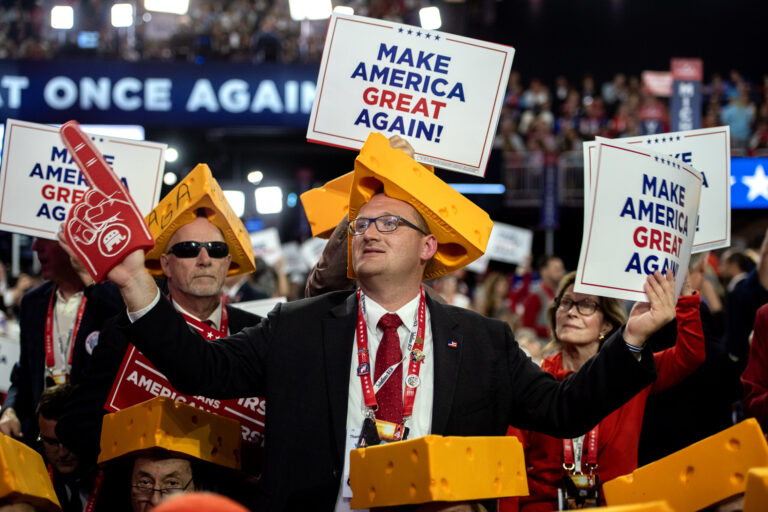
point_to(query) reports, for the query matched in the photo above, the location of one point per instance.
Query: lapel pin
(453, 344)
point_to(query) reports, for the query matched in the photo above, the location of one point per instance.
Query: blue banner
(157, 93)
(685, 105)
(749, 183)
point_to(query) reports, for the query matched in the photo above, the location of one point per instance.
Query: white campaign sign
(266, 245)
(441, 92)
(9, 355)
(641, 218)
(509, 244)
(312, 249)
(39, 181)
(259, 307)
(709, 151)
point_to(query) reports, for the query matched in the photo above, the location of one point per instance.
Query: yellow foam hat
(173, 426)
(461, 227)
(325, 206)
(198, 190)
(24, 478)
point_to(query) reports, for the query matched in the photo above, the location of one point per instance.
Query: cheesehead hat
(198, 190)
(461, 227)
(172, 426)
(24, 477)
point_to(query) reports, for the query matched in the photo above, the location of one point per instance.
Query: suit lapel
(338, 332)
(446, 346)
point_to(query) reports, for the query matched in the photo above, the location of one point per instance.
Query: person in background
(580, 322)
(535, 304)
(60, 322)
(76, 483)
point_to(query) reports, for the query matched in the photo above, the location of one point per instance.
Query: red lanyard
(569, 462)
(50, 359)
(206, 331)
(414, 353)
(93, 495)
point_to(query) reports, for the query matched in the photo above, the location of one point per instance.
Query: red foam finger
(89, 160)
(105, 226)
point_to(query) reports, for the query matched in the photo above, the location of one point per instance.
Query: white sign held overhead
(266, 245)
(39, 181)
(641, 218)
(311, 249)
(509, 244)
(709, 151)
(441, 92)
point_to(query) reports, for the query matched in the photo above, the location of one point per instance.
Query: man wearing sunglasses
(194, 256)
(316, 359)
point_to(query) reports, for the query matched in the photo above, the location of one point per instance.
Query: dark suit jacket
(299, 358)
(28, 375)
(80, 426)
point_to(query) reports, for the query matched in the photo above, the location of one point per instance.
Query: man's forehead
(382, 203)
(200, 230)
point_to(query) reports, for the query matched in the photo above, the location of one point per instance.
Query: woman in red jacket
(562, 469)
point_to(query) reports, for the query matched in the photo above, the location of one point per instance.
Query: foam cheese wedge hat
(173, 426)
(24, 477)
(180, 206)
(461, 227)
(325, 206)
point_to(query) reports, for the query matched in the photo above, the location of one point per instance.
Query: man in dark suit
(471, 377)
(60, 322)
(194, 257)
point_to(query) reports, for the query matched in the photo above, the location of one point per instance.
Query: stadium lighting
(171, 154)
(310, 9)
(255, 177)
(236, 199)
(62, 17)
(170, 178)
(171, 6)
(430, 18)
(343, 9)
(122, 15)
(268, 199)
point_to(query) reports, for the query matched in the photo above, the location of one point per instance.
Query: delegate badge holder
(377, 431)
(579, 491)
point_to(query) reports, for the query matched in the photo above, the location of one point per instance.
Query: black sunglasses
(192, 249)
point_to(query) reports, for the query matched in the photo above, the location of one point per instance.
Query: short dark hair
(741, 260)
(53, 401)
(544, 260)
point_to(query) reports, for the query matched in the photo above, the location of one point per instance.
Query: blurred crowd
(538, 117)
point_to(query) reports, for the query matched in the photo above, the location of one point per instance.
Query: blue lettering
(363, 118)
(387, 52)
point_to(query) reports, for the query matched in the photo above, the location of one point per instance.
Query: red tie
(390, 396)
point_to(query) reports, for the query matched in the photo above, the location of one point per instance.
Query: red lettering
(667, 241)
(655, 239)
(388, 99)
(404, 102)
(639, 237)
(49, 191)
(77, 195)
(421, 107)
(63, 194)
(369, 96)
(438, 105)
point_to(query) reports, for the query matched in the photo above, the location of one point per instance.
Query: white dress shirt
(421, 422)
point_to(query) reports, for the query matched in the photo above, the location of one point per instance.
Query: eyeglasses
(384, 223)
(143, 489)
(586, 307)
(192, 249)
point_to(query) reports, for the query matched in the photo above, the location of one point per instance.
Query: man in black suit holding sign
(316, 359)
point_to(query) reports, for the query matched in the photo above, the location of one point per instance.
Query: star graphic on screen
(757, 183)
(732, 180)
(210, 335)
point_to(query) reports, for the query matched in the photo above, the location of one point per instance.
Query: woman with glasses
(567, 473)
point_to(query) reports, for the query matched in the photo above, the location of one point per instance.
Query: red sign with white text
(139, 381)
